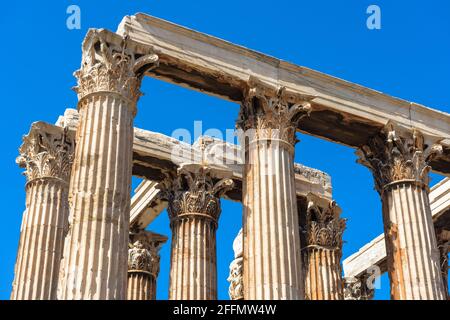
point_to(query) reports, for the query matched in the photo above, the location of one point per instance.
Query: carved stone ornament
(395, 155)
(111, 68)
(272, 113)
(195, 193)
(143, 256)
(46, 153)
(443, 241)
(236, 279)
(356, 289)
(324, 228)
(313, 175)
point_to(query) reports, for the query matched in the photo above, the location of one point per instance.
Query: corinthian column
(194, 209)
(272, 266)
(399, 163)
(96, 248)
(322, 259)
(143, 264)
(46, 153)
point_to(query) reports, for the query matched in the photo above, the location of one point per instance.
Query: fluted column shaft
(271, 242)
(47, 158)
(95, 254)
(141, 286)
(413, 257)
(96, 247)
(399, 161)
(143, 264)
(194, 210)
(269, 224)
(193, 273)
(323, 275)
(42, 240)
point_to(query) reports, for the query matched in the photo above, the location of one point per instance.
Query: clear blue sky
(407, 58)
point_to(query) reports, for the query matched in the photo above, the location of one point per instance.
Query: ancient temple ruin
(84, 236)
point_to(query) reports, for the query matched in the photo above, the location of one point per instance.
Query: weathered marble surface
(236, 277)
(194, 209)
(94, 264)
(46, 155)
(374, 252)
(143, 264)
(155, 153)
(341, 111)
(322, 250)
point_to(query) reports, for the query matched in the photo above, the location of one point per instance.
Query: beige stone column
(96, 248)
(323, 250)
(47, 154)
(399, 162)
(143, 264)
(236, 278)
(272, 264)
(194, 209)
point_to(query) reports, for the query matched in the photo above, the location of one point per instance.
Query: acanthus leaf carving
(190, 193)
(395, 155)
(236, 280)
(272, 114)
(46, 154)
(324, 227)
(236, 277)
(143, 252)
(111, 68)
(357, 289)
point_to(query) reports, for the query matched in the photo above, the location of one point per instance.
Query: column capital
(195, 190)
(143, 252)
(111, 67)
(324, 227)
(236, 277)
(397, 154)
(272, 112)
(46, 152)
(357, 289)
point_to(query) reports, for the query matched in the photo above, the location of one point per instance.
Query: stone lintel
(146, 204)
(342, 111)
